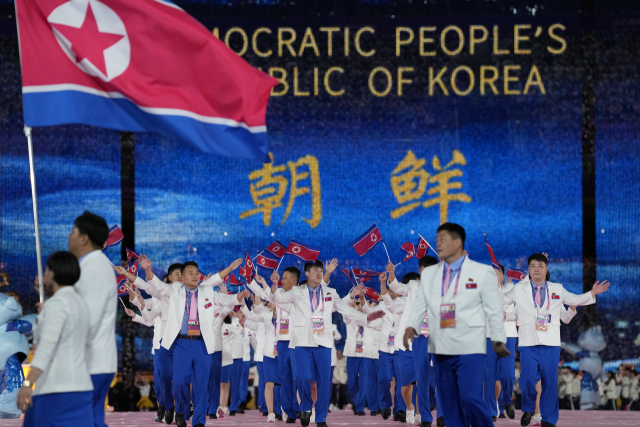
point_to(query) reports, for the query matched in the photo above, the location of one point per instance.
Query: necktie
(315, 300)
(538, 297)
(193, 309)
(447, 279)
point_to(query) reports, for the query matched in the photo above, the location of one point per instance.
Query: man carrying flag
(367, 240)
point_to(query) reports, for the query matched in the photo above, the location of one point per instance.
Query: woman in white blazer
(63, 391)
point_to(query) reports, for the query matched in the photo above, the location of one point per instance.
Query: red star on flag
(88, 42)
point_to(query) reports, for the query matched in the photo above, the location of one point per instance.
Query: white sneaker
(226, 410)
(313, 415)
(285, 417)
(220, 411)
(418, 420)
(332, 407)
(271, 418)
(411, 420)
(537, 419)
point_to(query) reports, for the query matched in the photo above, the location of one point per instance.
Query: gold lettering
(424, 40)
(454, 85)
(346, 41)
(327, 87)
(507, 78)
(496, 37)
(534, 79)
(402, 80)
(245, 40)
(473, 40)
(389, 81)
(357, 41)
(329, 31)
(557, 38)
(216, 32)
(296, 91)
(282, 42)
(486, 80)
(517, 38)
(400, 41)
(254, 42)
(443, 37)
(315, 81)
(437, 79)
(308, 41)
(282, 79)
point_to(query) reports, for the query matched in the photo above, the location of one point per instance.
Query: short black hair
(538, 257)
(427, 261)
(455, 231)
(174, 267)
(410, 276)
(94, 227)
(501, 268)
(227, 320)
(294, 271)
(304, 282)
(308, 266)
(65, 268)
(165, 277)
(187, 264)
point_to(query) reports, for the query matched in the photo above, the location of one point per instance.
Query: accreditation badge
(447, 316)
(275, 349)
(542, 322)
(193, 328)
(359, 346)
(317, 325)
(424, 328)
(391, 341)
(284, 326)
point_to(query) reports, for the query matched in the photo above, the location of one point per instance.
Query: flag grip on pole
(385, 249)
(34, 199)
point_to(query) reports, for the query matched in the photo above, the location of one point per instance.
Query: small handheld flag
(516, 275)
(115, 237)
(367, 240)
(247, 270)
(423, 248)
(302, 251)
(277, 249)
(265, 261)
(493, 257)
(410, 249)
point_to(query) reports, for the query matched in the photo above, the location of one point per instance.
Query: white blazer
(163, 300)
(301, 335)
(388, 327)
(98, 287)
(285, 311)
(369, 339)
(61, 337)
(228, 331)
(266, 318)
(350, 343)
(246, 344)
(477, 300)
(396, 307)
(409, 292)
(336, 337)
(150, 316)
(257, 341)
(509, 326)
(237, 346)
(526, 311)
(206, 316)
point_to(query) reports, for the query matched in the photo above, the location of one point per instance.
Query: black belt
(190, 337)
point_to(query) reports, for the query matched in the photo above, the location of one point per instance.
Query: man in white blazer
(459, 295)
(98, 287)
(539, 304)
(63, 392)
(312, 338)
(190, 325)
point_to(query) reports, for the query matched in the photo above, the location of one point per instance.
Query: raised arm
(355, 316)
(251, 316)
(567, 315)
(588, 297)
(397, 287)
(329, 268)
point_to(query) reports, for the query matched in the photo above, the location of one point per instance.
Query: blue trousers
(459, 381)
(353, 381)
(165, 373)
(244, 381)
(507, 374)
(234, 385)
(369, 389)
(214, 382)
(288, 398)
(62, 410)
(434, 398)
(385, 375)
(261, 402)
(540, 362)
(399, 404)
(314, 362)
(191, 365)
(491, 373)
(156, 378)
(422, 361)
(101, 384)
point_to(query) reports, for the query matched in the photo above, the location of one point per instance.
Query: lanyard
(311, 298)
(273, 322)
(455, 290)
(534, 298)
(360, 331)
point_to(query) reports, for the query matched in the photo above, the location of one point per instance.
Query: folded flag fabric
(493, 256)
(247, 270)
(304, 252)
(115, 237)
(367, 241)
(265, 261)
(410, 249)
(277, 249)
(141, 66)
(516, 275)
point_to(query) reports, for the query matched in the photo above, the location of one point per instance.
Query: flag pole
(385, 249)
(429, 246)
(34, 199)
